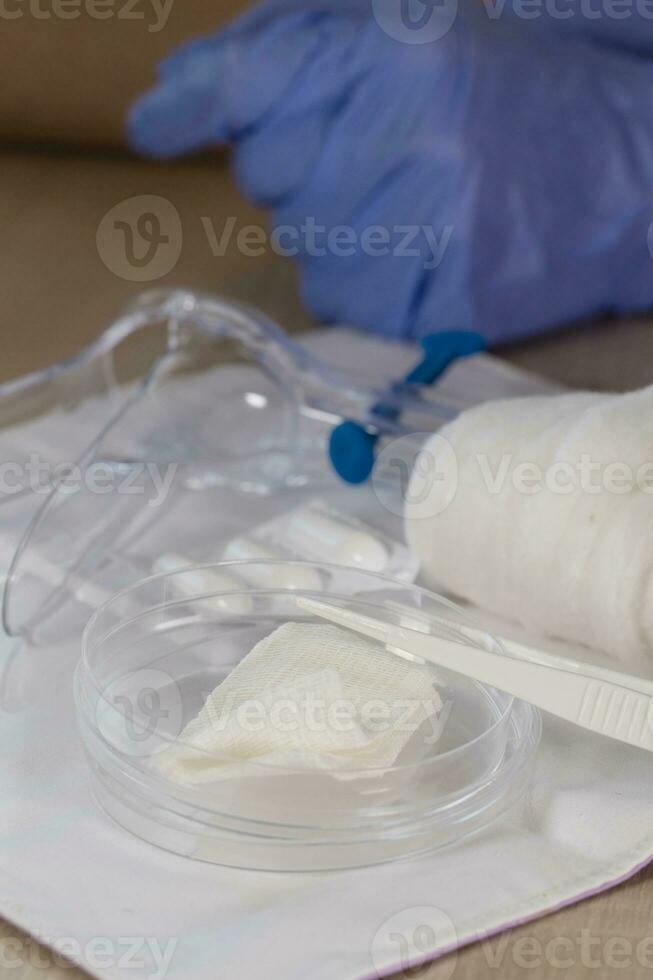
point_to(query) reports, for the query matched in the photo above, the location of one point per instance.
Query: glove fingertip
(142, 129)
(166, 122)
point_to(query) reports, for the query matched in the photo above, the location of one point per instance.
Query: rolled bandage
(546, 516)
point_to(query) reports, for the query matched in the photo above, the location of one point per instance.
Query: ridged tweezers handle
(613, 704)
(618, 713)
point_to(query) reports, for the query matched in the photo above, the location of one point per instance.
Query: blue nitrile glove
(513, 165)
(623, 24)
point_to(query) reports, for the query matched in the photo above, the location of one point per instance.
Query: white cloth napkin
(119, 906)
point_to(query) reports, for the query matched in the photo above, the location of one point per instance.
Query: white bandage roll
(546, 516)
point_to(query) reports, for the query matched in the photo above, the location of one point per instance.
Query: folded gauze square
(310, 696)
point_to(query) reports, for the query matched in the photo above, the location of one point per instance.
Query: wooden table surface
(57, 292)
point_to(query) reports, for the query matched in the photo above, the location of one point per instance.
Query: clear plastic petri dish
(153, 653)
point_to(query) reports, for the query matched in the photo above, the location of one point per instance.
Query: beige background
(70, 80)
(64, 86)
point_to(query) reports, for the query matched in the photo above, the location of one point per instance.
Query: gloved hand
(628, 26)
(485, 180)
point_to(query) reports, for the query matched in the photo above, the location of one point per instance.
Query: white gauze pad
(547, 517)
(311, 696)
